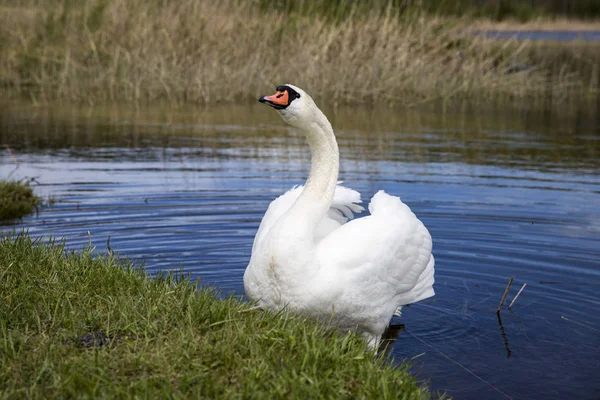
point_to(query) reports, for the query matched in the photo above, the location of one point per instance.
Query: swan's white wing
(276, 209)
(345, 203)
(378, 262)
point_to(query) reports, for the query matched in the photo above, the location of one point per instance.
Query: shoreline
(99, 327)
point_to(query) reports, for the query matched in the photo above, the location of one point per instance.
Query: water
(557, 36)
(503, 194)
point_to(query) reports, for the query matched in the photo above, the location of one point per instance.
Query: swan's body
(309, 259)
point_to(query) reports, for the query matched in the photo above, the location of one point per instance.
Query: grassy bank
(76, 326)
(228, 51)
(16, 200)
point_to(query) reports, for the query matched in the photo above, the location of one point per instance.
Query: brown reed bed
(215, 51)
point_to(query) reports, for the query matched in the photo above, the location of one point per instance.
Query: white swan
(307, 258)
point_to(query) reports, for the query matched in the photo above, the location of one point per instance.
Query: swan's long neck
(316, 198)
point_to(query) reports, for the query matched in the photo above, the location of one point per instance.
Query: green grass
(16, 200)
(166, 339)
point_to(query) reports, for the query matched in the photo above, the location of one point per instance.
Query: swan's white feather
(378, 263)
(346, 202)
(391, 245)
(364, 270)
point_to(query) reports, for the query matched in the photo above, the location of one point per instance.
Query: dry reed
(510, 281)
(214, 51)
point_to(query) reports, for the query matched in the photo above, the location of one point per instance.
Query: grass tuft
(16, 200)
(74, 325)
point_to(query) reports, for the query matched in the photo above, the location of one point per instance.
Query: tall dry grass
(206, 51)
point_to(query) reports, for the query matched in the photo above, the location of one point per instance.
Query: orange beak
(278, 101)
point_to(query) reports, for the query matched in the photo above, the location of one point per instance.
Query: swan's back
(378, 263)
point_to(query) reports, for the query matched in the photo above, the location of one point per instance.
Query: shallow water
(556, 36)
(503, 194)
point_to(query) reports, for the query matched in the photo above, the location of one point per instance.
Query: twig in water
(33, 179)
(109, 249)
(503, 334)
(515, 299)
(459, 364)
(505, 294)
(579, 323)
(14, 160)
(89, 240)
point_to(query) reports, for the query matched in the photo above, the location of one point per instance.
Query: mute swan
(308, 259)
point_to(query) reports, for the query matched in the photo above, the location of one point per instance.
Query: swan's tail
(424, 287)
(422, 290)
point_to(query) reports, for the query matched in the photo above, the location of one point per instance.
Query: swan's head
(293, 104)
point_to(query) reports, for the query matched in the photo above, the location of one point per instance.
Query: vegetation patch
(16, 200)
(74, 325)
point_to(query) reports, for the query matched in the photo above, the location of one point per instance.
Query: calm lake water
(503, 194)
(556, 36)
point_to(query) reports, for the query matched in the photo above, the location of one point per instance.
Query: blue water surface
(557, 36)
(502, 193)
